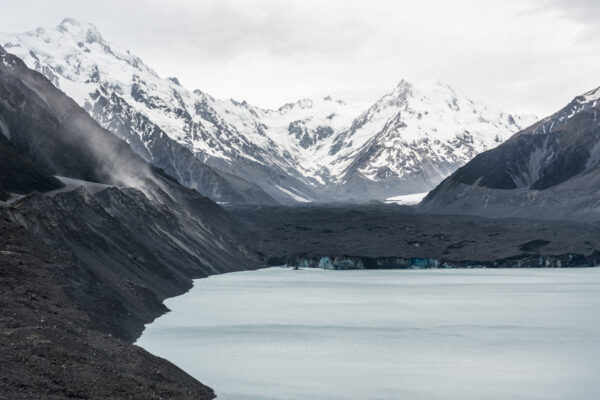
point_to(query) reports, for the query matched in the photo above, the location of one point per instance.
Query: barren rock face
(549, 170)
(51, 345)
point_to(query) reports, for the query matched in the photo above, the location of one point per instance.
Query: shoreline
(359, 320)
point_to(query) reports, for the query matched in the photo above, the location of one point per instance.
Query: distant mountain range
(549, 170)
(233, 152)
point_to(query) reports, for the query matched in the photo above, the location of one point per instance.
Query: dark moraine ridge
(390, 236)
(80, 275)
(49, 345)
(82, 270)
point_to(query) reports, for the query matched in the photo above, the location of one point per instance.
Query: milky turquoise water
(360, 335)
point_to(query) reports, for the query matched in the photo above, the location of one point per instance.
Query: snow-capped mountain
(549, 170)
(310, 150)
(415, 136)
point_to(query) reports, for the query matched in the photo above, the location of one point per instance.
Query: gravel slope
(47, 345)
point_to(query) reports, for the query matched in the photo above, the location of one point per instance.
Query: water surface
(360, 335)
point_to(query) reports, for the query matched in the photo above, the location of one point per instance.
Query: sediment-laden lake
(397, 334)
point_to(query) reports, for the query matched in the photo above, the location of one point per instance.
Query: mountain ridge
(311, 149)
(549, 170)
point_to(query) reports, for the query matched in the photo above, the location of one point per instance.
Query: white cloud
(531, 56)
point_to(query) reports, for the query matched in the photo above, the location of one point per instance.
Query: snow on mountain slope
(416, 136)
(407, 199)
(406, 142)
(306, 130)
(130, 99)
(106, 81)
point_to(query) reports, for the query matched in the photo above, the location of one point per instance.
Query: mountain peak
(401, 92)
(71, 22)
(592, 95)
(403, 84)
(301, 104)
(403, 87)
(80, 29)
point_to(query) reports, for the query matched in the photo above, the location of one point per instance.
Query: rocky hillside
(549, 170)
(51, 347)
(309, 150)
(89, 261)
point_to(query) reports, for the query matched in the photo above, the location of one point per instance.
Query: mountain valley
(119, 187)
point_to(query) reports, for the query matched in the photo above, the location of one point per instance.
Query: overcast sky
(524, 56)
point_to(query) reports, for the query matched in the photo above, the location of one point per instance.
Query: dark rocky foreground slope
(84, 267)
(390, 236)
(140, 251)
(50, 344)
(82, 273)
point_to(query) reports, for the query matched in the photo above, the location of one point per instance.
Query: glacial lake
(280, 334)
